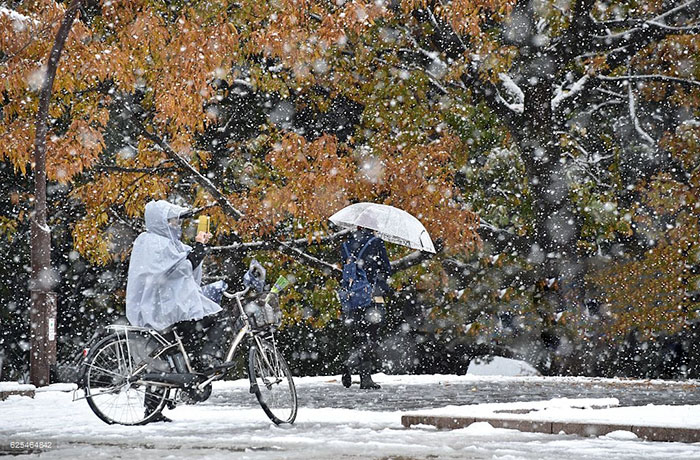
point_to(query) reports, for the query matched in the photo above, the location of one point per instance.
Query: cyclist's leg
(151, 400)
(214, 338)
(191, 333)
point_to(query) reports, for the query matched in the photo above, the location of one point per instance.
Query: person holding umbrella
(366, 268)
(364, 321)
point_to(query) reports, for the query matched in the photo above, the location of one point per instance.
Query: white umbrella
(391, 224)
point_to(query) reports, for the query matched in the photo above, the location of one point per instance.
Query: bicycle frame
(166, 347)
(246, 330)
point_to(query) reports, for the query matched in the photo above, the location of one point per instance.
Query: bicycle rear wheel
(110, 395)
(272, 383)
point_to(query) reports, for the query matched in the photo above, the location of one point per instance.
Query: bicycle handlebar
(233, 295)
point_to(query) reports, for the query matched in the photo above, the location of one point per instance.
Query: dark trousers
(203, 339)
(363, 327)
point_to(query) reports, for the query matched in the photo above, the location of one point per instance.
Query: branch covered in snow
(575, 89)
(292, 248)
(658, 21)
(413, 259)
(626, 43)
(514, 91)
(633, 115)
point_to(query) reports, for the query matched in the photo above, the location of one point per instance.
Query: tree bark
(43, 299)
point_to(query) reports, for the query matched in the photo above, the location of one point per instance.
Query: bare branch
(202, 180)
(501, 239)
(413, 259)
(610, 93)
(137, 227)
(677, 9)
(154, 170)
(653, 77)
(633, 24)
(691, 29)
(330, 269)
(194, 212)
(595, 108)
(243, 247)
(292, 248)
(626, 44)
(297, 243)
(326, 239)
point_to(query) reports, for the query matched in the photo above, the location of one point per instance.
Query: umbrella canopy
(391, 224)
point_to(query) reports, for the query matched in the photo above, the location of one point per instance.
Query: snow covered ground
(339, 423)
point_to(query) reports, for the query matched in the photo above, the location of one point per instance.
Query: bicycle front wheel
(108, 391)
(272, 383)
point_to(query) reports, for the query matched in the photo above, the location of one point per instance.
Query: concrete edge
(7, 393)
(650, 433)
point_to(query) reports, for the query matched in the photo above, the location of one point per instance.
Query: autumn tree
(589, 96)
(544, 119)
(156, 68)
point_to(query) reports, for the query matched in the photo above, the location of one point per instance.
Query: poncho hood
(159, 215)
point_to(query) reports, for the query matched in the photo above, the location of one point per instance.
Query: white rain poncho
(162, 287)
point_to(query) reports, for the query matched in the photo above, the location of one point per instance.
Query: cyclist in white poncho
(163, 287)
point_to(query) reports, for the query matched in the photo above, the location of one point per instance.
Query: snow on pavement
(231, 426)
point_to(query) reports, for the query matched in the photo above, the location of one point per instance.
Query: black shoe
(366, 383)
(346, 379)
(208, 363)
(160, 418)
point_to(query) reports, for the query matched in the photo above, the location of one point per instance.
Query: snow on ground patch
(228, 428)
(498, 365)
(479, 429)
(621, 435)
(14, 386)
(521, 409)
(58, 387)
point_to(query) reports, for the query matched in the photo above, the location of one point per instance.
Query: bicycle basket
(264, 311)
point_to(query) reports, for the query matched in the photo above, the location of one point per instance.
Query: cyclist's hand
(203, 237)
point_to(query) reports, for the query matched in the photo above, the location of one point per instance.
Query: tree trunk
(43, 299)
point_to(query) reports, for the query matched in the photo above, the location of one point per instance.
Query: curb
(5, 394)
(650, 433)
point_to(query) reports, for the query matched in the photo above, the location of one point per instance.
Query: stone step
(651, 433)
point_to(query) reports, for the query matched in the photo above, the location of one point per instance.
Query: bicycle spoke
(109, 393)
(107, 371)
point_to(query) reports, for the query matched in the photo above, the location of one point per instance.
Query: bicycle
(128, 376)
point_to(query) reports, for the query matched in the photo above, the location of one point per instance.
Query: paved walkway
(411, 397)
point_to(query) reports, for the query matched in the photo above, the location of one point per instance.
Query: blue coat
(375, 260)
